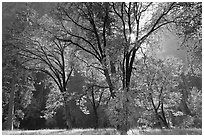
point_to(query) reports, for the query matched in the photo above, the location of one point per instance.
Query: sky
(171, 47)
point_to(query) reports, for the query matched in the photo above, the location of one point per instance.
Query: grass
(107, 131)
(192, 131)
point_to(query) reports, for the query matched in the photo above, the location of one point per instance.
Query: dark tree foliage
(33, 118)
(16, 85)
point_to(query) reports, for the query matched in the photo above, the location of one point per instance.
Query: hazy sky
(171, 47)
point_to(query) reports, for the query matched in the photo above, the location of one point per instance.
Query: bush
(188, 122)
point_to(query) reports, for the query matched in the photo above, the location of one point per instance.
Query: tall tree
(189, 28)
(16, 80)
(95, 92)
(36, 42)
(158, 84)
(190, 32)
(97, 24)
(89, 23)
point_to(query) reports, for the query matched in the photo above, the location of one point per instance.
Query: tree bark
(67, 114)
(11, 105)
(184, 93)
(125, 125)
(164, 117)
(96, 118)
(108, 79)
(94, 108)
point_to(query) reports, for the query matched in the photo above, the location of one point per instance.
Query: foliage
(189, 29)
(14, 79)
(157, 87)
(42, 51)
(55, 100)
(118, 113)
(195, 106)
(34, 110)
(195, 101)
(104, 56)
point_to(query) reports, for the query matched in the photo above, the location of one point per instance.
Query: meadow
(107, 131)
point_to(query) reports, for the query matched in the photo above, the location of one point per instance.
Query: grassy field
(62, 132)
(104, 132)
(166, 132)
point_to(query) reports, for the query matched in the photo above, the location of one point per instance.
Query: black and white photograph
(101, 68)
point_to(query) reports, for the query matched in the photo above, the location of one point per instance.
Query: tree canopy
(101, 61)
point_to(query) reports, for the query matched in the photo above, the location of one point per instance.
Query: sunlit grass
(32, 132)
(90, 131)
(192, 131)
(105, 131)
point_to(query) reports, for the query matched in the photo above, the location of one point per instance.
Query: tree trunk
(68, 118)
(94, 108)
(159, 118)
(67, 114)
(11, 105)
(124, 127)
(164, 117)
(185, 93)
(96, 118)
(184, 107)
(108, 79)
